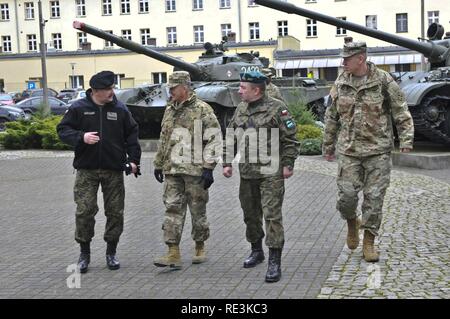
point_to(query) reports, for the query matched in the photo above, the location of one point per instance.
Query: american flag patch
(284, 112)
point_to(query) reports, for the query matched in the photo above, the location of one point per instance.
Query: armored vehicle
(215, 79)
(427, 93)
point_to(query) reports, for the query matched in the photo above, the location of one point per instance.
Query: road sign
(31, 85)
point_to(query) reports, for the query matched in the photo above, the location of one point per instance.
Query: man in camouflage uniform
(358, 127)
(186, 180)
(261, 189)
(271, 89)
(102, 132)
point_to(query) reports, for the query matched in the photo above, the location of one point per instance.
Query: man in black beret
(105, 139)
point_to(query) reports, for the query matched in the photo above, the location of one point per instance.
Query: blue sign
(31, 85)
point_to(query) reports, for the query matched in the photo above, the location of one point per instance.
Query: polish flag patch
(284, 112)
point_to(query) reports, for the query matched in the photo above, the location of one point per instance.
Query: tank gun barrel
(138, 48)
(436, 53)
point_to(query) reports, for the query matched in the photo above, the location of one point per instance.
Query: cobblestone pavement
(37, 215)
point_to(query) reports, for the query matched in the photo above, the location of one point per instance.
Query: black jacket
(117, 129)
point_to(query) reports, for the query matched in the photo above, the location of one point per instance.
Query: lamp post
(72, 64)
(43, 59)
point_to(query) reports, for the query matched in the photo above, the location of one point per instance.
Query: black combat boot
(111, 260)
(256, 256)
(85, 257)
(274, 265)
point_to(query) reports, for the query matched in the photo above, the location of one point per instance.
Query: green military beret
(253, 77)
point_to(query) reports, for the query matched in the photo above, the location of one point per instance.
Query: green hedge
(36, 133)
(311, 146)
(308, 131)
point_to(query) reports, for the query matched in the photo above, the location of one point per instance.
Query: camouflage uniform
(261, 194)
(183, 184)
(273, 91)
(359, 125)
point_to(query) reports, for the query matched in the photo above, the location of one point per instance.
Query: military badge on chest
(111, 116)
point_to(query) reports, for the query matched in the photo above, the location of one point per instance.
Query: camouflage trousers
(371, 175)
(263, 198)
(86, 186)
(181, 191)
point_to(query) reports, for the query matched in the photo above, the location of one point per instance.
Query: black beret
(253, 77)
(102, 80)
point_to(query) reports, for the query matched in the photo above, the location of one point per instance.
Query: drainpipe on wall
(17, 26)
(239, 20)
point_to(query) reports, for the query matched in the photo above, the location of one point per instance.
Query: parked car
(6, 99)
(80, 94)
(68, 94)
(36, 92)
(29, 106)
(10, 113)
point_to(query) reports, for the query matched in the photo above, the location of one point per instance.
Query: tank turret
(427, 93)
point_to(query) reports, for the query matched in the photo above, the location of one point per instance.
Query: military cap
(102, 80)
(253, 77)
(268, 72)
(179, 78)
(351, 48)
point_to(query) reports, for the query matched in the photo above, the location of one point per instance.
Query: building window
(6, 43)
(310, 1)
(199, 34)
(339, 30)
(311, 28)
(125, 7)
(106, 7)
(108, 44)
(76, 81)
(254, 30)
(57, 41)
(31, 42)
(252, 3)
(144, 6)
(402, 22)
(282, 28)
(371, 21)
(81, 8)
(159, 77)
(29, 10)
(126, 34)
(171, 6)
(145, 36)
(55, 10)
(433, 17)
(224, 4)
(4, 11)
(197, 4)
(225, 29)
(82, 38)
(171, 35)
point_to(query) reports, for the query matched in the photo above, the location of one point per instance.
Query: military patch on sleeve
(289, 124)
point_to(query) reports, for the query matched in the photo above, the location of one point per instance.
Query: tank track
(424, 127)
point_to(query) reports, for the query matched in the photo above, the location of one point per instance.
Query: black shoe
(256, 256)
(112, 262)
(83, 262)
(274, 265)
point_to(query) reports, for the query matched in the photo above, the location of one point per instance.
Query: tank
(427, 93)
(215, 79)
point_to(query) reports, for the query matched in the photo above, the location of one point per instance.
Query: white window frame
(252, 3)
(29, 10)
(224, 4)
(57, 41)
(81, 38)
(283, 29)
(4, 11)
(126, 34)
(6, 44)
(55, 10)
(341, 31)
(199, 34)
(311, 28)
(401, 22)
(145, 36)
(197, 5)
(160, 76)
(76, 81)
(81, 8)
(372, 21)
(108, 44)
(125, 7)
(171, 35)
(32, 42)
(225, 29)
(254, 31)
(171, 5)
(144, 6)
(433, 17)
(106, 7)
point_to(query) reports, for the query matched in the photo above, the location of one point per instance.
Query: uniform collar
(190, 100)
(258, 106)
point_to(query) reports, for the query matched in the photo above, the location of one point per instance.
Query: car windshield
(5, 98)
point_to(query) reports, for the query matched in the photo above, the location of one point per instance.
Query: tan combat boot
(353, 232)
(172, 259)
(369, 252)
(200, 254)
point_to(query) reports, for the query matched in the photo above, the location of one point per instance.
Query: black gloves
(207, 178)
(128, 169)
(159, 175)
